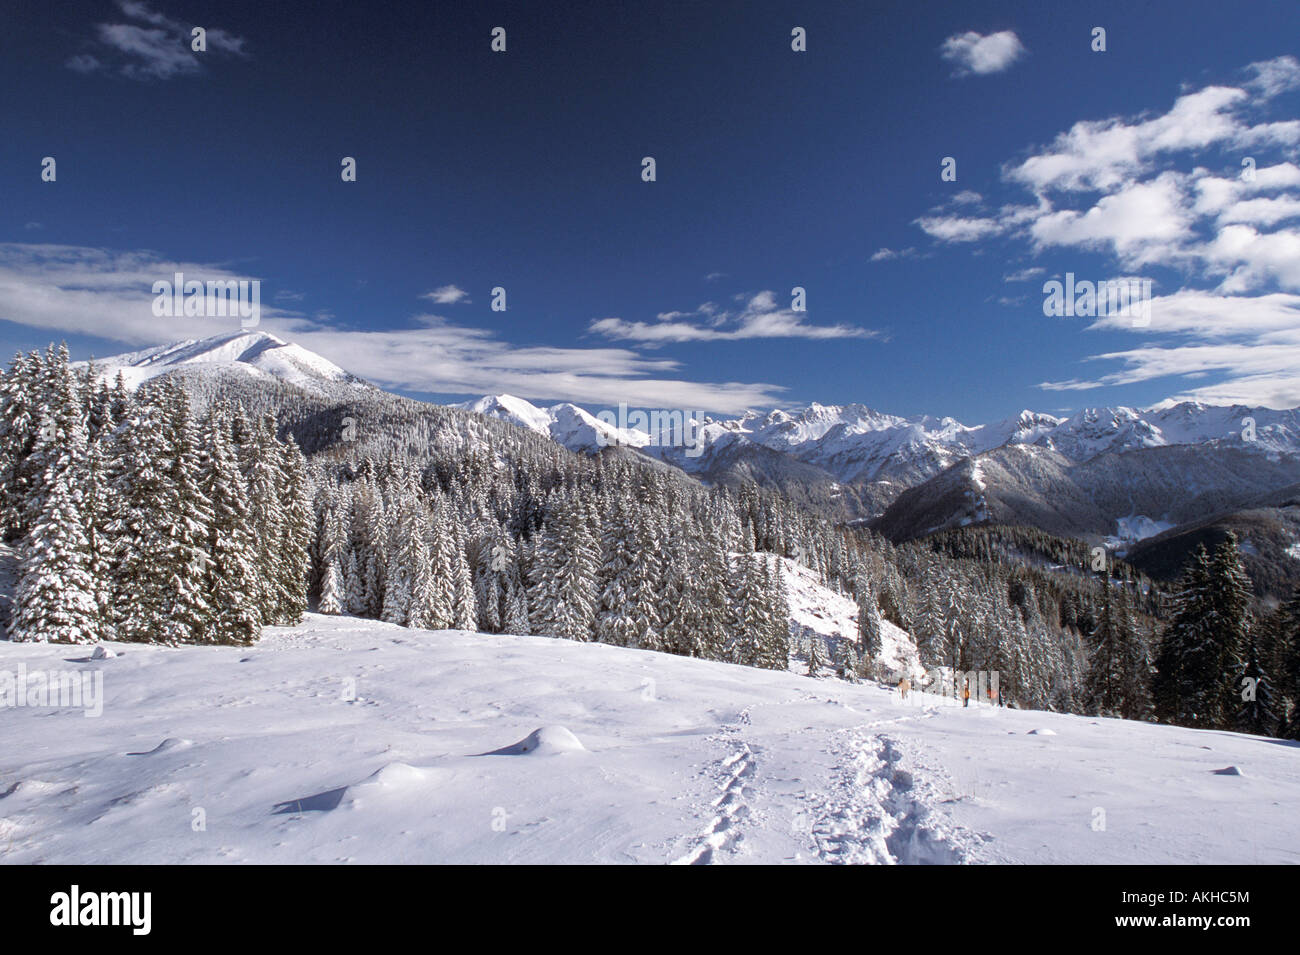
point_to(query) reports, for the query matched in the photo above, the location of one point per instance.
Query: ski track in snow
(873, 811)
(729, 808)
(876, 812)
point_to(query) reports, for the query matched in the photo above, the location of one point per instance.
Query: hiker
(903, 686)
(965, 694)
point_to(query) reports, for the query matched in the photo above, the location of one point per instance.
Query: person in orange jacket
(965, 694)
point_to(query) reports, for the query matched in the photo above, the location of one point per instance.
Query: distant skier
(965, 694)
(903, 686)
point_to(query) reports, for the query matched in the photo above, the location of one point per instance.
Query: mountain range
(1108, 475)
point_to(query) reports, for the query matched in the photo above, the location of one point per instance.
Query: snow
(1137, 527)
(834, 616)
(566, 424)
(253, 353)
(546, 741)
(347, 740)
(854, 443)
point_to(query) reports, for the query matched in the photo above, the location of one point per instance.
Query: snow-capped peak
(565, 423)
(249, 352)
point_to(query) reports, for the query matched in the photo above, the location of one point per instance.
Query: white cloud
(885, 254)
(447, 295)
(974, 53)
(1137, 222)
(760, 317)
(108, 294)
(1166, 190)
(1275, 76)
(1251, 342)
(960, 228)
(158, 50)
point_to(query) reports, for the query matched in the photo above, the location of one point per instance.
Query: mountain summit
(258, 354)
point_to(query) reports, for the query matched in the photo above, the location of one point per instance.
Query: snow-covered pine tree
(492, 555)
(232, 574)
(564, 575)
(646, 584)
(437, 590)
(1258, 707)
(614, 613)
(846, 661)
(815, 656)
(407, 554)
(869, 636)
(775, 653)
(332, 556)
(750, 608)
(1230, 626)
(464, 604)
(354, 590)
(55, 601)
(1287, 665)
(18, 429)
(1135, 664)
(930, 630)
(59, 423)
(184, 517)
(142, 549)
(1103, 687)
(294, 545)
(1173, 689)
(260, 461)
(96, 509)
(1202, 647)
(516, 613)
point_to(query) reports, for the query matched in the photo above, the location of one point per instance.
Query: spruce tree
(869, 636)
(232, 573)
(1173, 688)
(55, 600)
(143, 551)
(846, 661)
(1103, 692)
(815, 661)
(294, 545)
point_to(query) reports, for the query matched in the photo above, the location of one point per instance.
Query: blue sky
(775, 169)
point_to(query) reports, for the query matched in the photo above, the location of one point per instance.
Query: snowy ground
(343, 740)
(820, 610)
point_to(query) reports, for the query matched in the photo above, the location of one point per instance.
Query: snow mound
(392, 779)
(30, 787)
(166, 746)
(546, 741)
(1042, 732)
(1229, 771)
(102, 652)
(393, 776)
